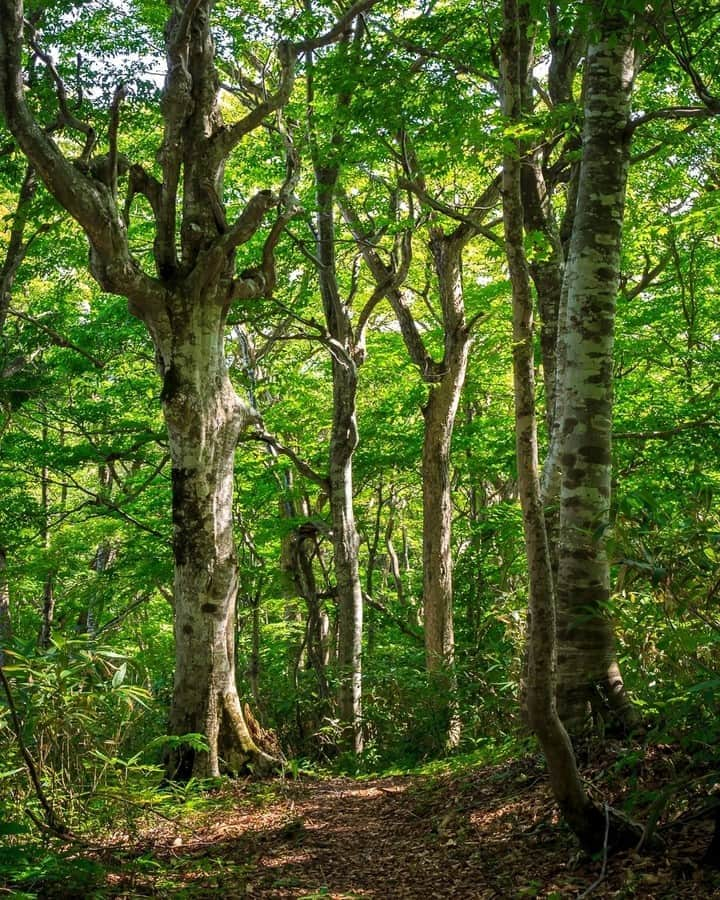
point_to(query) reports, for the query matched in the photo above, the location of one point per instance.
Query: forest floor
(470, 834)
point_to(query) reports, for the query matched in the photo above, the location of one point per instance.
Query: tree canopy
(334, 339)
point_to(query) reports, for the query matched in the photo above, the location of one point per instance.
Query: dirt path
(492, 834)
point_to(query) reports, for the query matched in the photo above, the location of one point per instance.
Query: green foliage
(84, 462)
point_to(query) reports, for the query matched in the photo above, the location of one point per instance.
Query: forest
(359, 448)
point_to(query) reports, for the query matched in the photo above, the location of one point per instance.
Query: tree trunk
(204, 418)
(588, 674)
(393, 562)
(439, 417)
(437, 517)
(254, 662)
(184, 305)
(582, 815)
(343, 441)
(48, 613)
(346, 544)
(5, 617)
(304, 545)
(445, 379)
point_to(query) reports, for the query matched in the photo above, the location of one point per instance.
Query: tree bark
(5, 616)
(346, 544)
(439, 417)
(204, 418)
(304, 548)
(583, 816)
(343, 441)
(439, 414)
(184, 307)
(445, 379)
(589, 678)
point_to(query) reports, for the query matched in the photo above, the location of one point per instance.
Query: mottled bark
(184, 307)
(204, 418)
(546, 270)
(583, 816)
(546, 265)
(588, 675)
(439, 414)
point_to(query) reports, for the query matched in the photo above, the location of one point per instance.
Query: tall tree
(184, 305)
(445, 378)
(586, 647)
(585, 818)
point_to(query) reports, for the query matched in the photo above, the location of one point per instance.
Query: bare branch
(260, 280)
(383, 275)
(664, 433)
(55, 337)
(429, 54)
(472, 223)
(403, 248)
(228, 138)
(398, 622)
(662, 144)
(303, 467)
(118, 97)
(671, 112)
(249, 221)
(647, 278)
(182, 31)
(684, 56)
(87, 199)
(140, 182)
(339, 28)
(67, 116)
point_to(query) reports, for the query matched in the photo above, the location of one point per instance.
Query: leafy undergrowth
(460, 832)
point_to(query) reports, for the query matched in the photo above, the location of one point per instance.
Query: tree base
(608, 830)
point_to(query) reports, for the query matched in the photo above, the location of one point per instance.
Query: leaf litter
(487, 833)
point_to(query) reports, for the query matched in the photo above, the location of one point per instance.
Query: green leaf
(7, 828)
(119, 675)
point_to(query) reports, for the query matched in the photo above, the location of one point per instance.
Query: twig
(603, 871)
(337, 30)
(303, 467)
(57, 339)
(116, 620)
